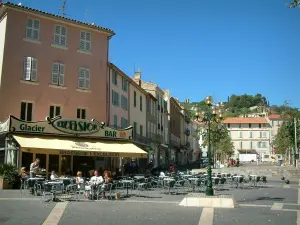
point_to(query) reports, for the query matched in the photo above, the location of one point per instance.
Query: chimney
(137, 76)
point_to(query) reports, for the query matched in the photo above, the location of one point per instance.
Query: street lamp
(215, 113)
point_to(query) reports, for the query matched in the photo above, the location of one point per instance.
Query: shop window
(81, 113)
(54, 111)
(53, 163)
(27, 159)
(66, 164)
(43, 160)
(26, 111)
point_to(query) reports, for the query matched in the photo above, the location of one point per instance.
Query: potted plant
(8, 173)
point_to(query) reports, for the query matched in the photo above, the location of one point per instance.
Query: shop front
(67, 145)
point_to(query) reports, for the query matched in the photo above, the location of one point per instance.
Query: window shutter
(63, 36)
(87, 78)
(61, 74)
(88, 41)
(34, 69)
(29, 27)
(27, 68)
(36, 26)
(57, 34)
(82, 40)
(81, 78)
(55, 73)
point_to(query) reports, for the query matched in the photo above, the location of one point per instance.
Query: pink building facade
(50, 65)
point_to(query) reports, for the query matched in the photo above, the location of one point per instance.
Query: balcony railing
(155, 138)
(141, 139)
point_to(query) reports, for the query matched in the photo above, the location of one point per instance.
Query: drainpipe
(108, 85)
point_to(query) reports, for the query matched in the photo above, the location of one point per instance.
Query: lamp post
(214, 113)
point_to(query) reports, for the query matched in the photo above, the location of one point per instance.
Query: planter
(4, 184)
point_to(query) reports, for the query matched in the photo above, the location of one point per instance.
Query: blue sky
(197, 48)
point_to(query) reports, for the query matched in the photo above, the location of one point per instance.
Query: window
(249, 125)
(124, 123)
(141, 130)
(58, 74)
(124, 102)
(54, 111)
(30, 69)
(264, 134)
(251, 145)
(228, 125)
(259, 144)
(83, 78)
(148, 105)
(116, 121)
(115, 77)
(115, 98)
(141, 103)
(240, 125)
(124, 84)
(241, 145)
(33, 29)
(60, 35)
(81, 113)
(250, 134)
(85, 41)
(264, 144)
(26, 111)
(241, 134)
(134, 128)
(259, 125)
(134, 98)
(260, 134)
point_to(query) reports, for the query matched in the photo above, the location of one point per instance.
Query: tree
(221, 143)
(294, 4)
(283, 142)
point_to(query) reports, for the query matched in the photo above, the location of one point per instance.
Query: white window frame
(32, 29)
(58, 74)
(84, 77)
(30, 69)
(55, 109)
(83, 43)
(60, 39)
(26, 109)
(81, 109)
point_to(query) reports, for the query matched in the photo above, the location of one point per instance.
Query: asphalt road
(256, 207)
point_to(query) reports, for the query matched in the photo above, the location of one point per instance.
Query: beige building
(118, 109)
(250, 136)
(137, 109)
(275, 121)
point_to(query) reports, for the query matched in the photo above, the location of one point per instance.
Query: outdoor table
(139, 177)
(128, 185)
(54, 191)
(238, 177)
(168, 181)
(32, 181)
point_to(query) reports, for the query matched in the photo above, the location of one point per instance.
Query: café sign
(67, 126)
(76, 126)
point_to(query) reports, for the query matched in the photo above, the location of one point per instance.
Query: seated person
(23, 172)
(107, 177)
(162, 174)
(96, 179)
(79, 179)
(53, 175)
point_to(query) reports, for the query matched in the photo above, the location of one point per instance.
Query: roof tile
(239, 120)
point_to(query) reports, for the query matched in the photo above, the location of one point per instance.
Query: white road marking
(140, 201)
(207, 216)
(286, 186)
(298, 195)
(56, 214)
(20, 199)
(298, 217)
(253, 205)
(277, 206)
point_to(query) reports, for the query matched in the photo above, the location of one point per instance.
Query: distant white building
(250, 135)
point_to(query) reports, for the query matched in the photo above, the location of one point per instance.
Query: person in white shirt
(34, 168)
(53, 176)
(96, 179)
(162, 174)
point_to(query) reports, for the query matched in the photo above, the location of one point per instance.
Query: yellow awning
(79, 147)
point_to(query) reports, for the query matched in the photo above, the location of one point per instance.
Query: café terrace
(64, 144)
